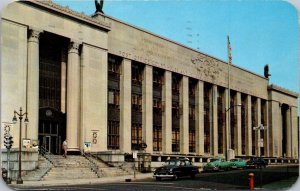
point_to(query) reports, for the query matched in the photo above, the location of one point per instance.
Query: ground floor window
(175, 140)
(220, 124)
(113, 135)
(192, 142)
(157, 138)
(136, 136)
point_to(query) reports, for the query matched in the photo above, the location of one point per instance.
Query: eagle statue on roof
(99, 6)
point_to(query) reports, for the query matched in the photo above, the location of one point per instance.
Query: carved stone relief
(207, 67)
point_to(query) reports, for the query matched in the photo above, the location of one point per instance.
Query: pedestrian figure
(65, 148)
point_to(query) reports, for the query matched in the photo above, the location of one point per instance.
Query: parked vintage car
(175, 168)
(238, 163)
(257, 163)
(217, 164)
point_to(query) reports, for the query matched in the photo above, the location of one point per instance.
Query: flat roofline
(283, 90)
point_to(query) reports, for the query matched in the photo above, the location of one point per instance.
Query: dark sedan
(176, 168)
(257, 163)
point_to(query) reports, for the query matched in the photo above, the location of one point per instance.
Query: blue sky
(261, 32)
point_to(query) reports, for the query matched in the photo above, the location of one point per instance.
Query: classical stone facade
(112, 88)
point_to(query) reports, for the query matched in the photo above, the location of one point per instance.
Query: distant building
(115, 88)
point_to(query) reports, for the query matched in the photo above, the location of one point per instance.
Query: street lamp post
(227, 143)
(256, 129)
(14, 120)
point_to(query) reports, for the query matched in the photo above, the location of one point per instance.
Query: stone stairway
(107, 171)
(43, 167)
(72, 167)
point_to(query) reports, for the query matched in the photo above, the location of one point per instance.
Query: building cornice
(72, 14)
(273, 87)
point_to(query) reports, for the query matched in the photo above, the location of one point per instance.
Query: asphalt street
(227, 180)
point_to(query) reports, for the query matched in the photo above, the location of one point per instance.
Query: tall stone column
(199, 119)
(63, 93)
(294, 129)
(288, 132)
(33, 84)
(279, 130)
(184, 115)
(248, 126)
(214, 124)
(125, 107)
(73, 96)
(267, 131)
(258, 123)
(148, 108)
(274, 129)
(271, 130)
(167, 113)
(238, 134)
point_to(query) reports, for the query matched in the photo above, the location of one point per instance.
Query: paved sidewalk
(27, 184)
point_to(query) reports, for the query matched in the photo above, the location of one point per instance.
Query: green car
(217, 164)
(238, 163)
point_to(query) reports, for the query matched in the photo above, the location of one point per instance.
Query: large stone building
(115, 88)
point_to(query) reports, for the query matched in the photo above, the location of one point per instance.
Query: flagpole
(228, 142)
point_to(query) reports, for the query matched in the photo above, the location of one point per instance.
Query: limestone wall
(13, 74)
(136, 44)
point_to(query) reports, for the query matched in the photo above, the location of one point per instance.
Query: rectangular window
(192, 114)
(243, 123)
(192, 142)
(137, 73)
(157, 138)
(221, 124)
(157, 77)
(136, 136)
(111, 97)
(113, 111)
(113, 135)
(207, 90)
(136, 102)
(114, 67)
(175, 140)
(114, 98)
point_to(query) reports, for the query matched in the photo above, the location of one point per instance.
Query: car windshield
(213, 160)
(172, 163)
(233, 160)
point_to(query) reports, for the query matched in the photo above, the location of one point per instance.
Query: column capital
(74, 47)
(34, 35)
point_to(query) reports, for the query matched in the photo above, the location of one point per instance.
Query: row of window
(158, 76)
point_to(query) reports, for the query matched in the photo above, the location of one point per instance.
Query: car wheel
(193, 176)
(175, 177)
(158, 178)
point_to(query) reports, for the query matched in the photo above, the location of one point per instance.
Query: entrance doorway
(52, 129)
(52, 91)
